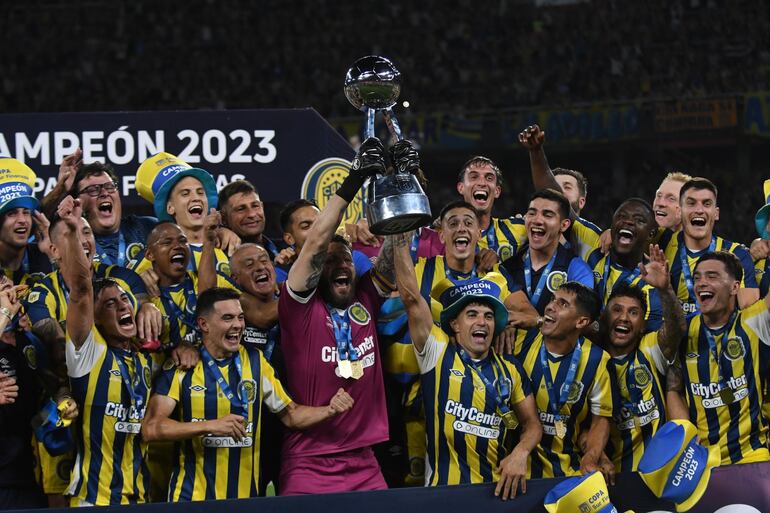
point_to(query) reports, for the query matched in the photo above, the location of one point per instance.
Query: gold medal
(509, 420)
(357, 369)
(727, 395)
(561, 428)
(346, 370)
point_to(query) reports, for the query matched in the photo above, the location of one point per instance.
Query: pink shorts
(349, 471)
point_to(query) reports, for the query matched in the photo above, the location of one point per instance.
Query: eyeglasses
(96, 190)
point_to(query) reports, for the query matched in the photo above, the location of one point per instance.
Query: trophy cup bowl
(372, 82)
(395, 203)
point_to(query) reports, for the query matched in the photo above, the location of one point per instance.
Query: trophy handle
(392, 122)
(369, 131)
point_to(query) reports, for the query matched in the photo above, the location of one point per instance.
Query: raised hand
(9, 390)
(370, 160)
(232, 425)
(69, 168)
(211, 224)
(656, 272)
(404, 157)
(70, 212)
(532, 138)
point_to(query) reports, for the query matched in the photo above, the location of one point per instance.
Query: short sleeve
(586, 237)
(749, 274)
(40, 304)
(167, 384)
(80, 361)
(579, 271)
(427, 359)
(130, 278)
(651, 349)
(757, 317)
(226, 282)
(601, 393)
(654, 316)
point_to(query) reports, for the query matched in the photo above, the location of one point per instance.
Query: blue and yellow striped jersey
(110, 467)
(141, 264)
(48, 298)
(737, 427)
(219, 467)
(678, 281)
(431, 271)
(34, 267)
(762, 276)
(503, 236)
(589, 394)
(639, 400)
(583, 237)
(463, 423)
(607, 277)
(177, 305)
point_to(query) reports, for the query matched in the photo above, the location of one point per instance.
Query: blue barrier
(731, 485)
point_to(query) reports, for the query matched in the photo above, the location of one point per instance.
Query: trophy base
(398, 214)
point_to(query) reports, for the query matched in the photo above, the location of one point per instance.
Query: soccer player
(328, 321)
(461, 375)
(668, 213)
(639, 362)
(543, 264)
(243, 212)
(480, 183)
(722, 362)
(582, 236)
(218, 407)
(110, 380)
(632, 231)
(297, 217)
(169, 252)
(571, 383)
(460, 232)
(698, 201)
(574, 185)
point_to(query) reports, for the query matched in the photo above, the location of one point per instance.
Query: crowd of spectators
(111, 55)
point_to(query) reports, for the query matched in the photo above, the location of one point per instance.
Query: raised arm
(76, 272)
(207, 268)
(417, 309)
(306, 271)
(656, 274)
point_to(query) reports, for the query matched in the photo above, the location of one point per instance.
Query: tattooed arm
(384, 266)
(306, 271)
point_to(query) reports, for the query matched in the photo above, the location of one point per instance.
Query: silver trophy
(394, 203)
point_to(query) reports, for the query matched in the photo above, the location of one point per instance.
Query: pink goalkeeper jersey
(310, 351)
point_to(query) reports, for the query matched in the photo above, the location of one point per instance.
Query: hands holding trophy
(395, 202)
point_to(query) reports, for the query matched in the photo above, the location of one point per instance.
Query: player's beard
(333, 299)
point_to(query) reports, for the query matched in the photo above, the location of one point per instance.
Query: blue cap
(454, 298)
(585, 494)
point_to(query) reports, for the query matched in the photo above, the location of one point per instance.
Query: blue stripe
(755, 404)
(427, 278)
(118, 448)
(429, 400)
(466, 398)
(442, 444)
(209, 453)
(233, 453)
(507, 234)
(188, 485)
(704, 376)
(536, 377)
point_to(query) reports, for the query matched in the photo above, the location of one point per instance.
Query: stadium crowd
(451, 53)
(186, 356)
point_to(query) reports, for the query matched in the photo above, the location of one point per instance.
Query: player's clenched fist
(340, 403)
(532, 138)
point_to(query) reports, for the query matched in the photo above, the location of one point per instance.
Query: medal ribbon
(627, 278)
(343, 335)
(456, 276)
(502, 392)
(688, 281)
(534, 297)
(713, 346)
(176, 314)
(555, 406)
(137, 398)
(215, 373)
(491, 236)
(634, 392)
(105, 258)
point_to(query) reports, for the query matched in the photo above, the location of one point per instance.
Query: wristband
(6, 312)
(350, 187)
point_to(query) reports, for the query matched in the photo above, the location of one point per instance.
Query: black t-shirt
(16, 460)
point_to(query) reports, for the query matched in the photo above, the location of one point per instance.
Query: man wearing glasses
(118, 239)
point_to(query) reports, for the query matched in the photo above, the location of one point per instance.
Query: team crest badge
(323, 180)
(30, 354)
(359, 314)
(597, 277)
(247, 390)
(505, 252)
(168, 364)
(64, 468)
(147, 376)
(224, 268)
(735, 349)
(642, 376)
(575, 391)
(133, 250)
(555, 280)
(33, 297)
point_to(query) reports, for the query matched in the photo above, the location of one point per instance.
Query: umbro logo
(115, 372)
(197, 388)
(458, 373)
(691, 356)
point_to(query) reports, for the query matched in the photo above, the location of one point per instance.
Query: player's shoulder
(585, 224)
